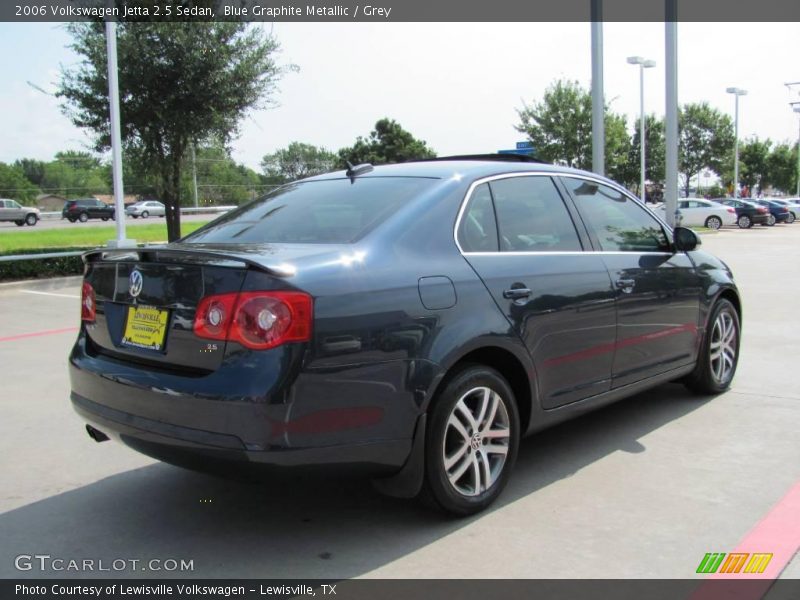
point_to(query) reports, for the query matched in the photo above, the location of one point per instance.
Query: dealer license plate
(145, 327)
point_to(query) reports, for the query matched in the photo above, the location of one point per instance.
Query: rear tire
(71, 219)
(19, 223)
(744, 222)
(791, 218)
(713, 222)
(471, 441)
(719, 354)
(104, 218)
(145, 214)
(83, 217)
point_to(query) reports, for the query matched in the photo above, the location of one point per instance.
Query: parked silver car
(11, 210)
(146, 208)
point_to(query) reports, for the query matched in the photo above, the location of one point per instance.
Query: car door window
(477, 231)
(618, 222)
(532, 217)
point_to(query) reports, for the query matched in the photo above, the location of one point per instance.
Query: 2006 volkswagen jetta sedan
(411, 320)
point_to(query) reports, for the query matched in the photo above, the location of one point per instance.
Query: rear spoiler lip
(278, 270)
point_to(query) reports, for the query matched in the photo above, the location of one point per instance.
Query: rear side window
(618, 222)
(330, 211)
(532, 217)
(477, 231)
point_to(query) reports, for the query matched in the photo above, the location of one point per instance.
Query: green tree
(705, 140)
(387, 143)
(32, 169)
(180, 82)
(296, 161)
(782, 168)
(220, 180)
(74, 174)
(753, 158)
(14, 184)
(655, 150)
(560, 127)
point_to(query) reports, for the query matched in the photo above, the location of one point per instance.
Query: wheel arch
(504, 361)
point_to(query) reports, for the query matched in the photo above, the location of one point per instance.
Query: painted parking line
(761, 555)
(50, 294)
(778, 534)
(22, 336)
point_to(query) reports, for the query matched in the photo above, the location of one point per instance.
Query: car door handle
(516, 293)
(626, 285)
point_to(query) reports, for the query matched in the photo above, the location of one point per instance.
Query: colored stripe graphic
(22, 336)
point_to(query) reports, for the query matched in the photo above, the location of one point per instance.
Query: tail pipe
(97, 435)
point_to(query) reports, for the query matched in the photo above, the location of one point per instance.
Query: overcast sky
(457, 86)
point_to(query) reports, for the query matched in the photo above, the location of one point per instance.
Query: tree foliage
(705, 140)
(654, 150)
(14, 184)
(387, 143)
(782, 167)
(560, 127)
(180, 82)
(296, 161)
(220, 180)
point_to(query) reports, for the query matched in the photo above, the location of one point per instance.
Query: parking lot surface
(641, 489)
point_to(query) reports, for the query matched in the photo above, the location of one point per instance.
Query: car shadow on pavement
(290, 526)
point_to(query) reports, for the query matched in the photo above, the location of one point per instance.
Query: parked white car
(146, 208)
(699, 212)
(11, 210)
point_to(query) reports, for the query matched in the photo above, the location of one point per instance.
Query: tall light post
(736, 92)
(796, 108)
(643, 64)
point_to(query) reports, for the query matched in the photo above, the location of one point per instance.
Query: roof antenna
(354, 171)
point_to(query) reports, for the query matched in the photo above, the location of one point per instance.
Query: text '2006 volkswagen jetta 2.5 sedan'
(412, 320)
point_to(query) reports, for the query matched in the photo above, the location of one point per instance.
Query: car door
(521, 238)
(5, 213)
(657, 289)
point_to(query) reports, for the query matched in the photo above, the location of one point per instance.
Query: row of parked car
(84, 209)
(744, 212)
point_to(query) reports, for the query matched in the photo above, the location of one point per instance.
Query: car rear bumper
(248, 416)
(759, 219)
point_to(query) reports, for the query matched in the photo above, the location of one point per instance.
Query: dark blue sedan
(413, 321)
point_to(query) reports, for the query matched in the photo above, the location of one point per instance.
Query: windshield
(329, 211)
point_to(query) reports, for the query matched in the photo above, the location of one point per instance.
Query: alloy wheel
(476, 441)
(713, 223)
(722, 350)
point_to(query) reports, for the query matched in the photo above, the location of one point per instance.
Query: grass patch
(84, 237)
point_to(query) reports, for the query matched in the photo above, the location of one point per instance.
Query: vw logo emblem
(135, 283)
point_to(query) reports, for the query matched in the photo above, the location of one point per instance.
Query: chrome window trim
(468, 196)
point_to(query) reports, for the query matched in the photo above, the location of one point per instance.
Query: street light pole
(796, 108)
(736, 92)
(643, 64)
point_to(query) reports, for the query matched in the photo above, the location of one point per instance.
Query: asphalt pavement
(641, 489)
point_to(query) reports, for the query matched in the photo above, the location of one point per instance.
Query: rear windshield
(330, 211)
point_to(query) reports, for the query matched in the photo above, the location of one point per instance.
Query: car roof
(473, 168)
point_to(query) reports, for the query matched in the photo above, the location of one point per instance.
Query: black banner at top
(382, 11)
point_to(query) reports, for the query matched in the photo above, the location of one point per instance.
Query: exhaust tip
(97, 435)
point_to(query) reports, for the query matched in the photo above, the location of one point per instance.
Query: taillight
(88, 303)
(257, 320)
(762, 210)
(732, 210)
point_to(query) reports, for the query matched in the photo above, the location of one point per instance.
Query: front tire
(744, 222)
(472, 441)
(19, 223)
(719, 354)
(791, 218)
(770, 220)
(713, 222)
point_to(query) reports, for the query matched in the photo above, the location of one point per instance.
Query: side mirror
(685, 239)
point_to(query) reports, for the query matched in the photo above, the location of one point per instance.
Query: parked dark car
(778, 213)
(84, 209)
(413, 321)
(747, 213)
